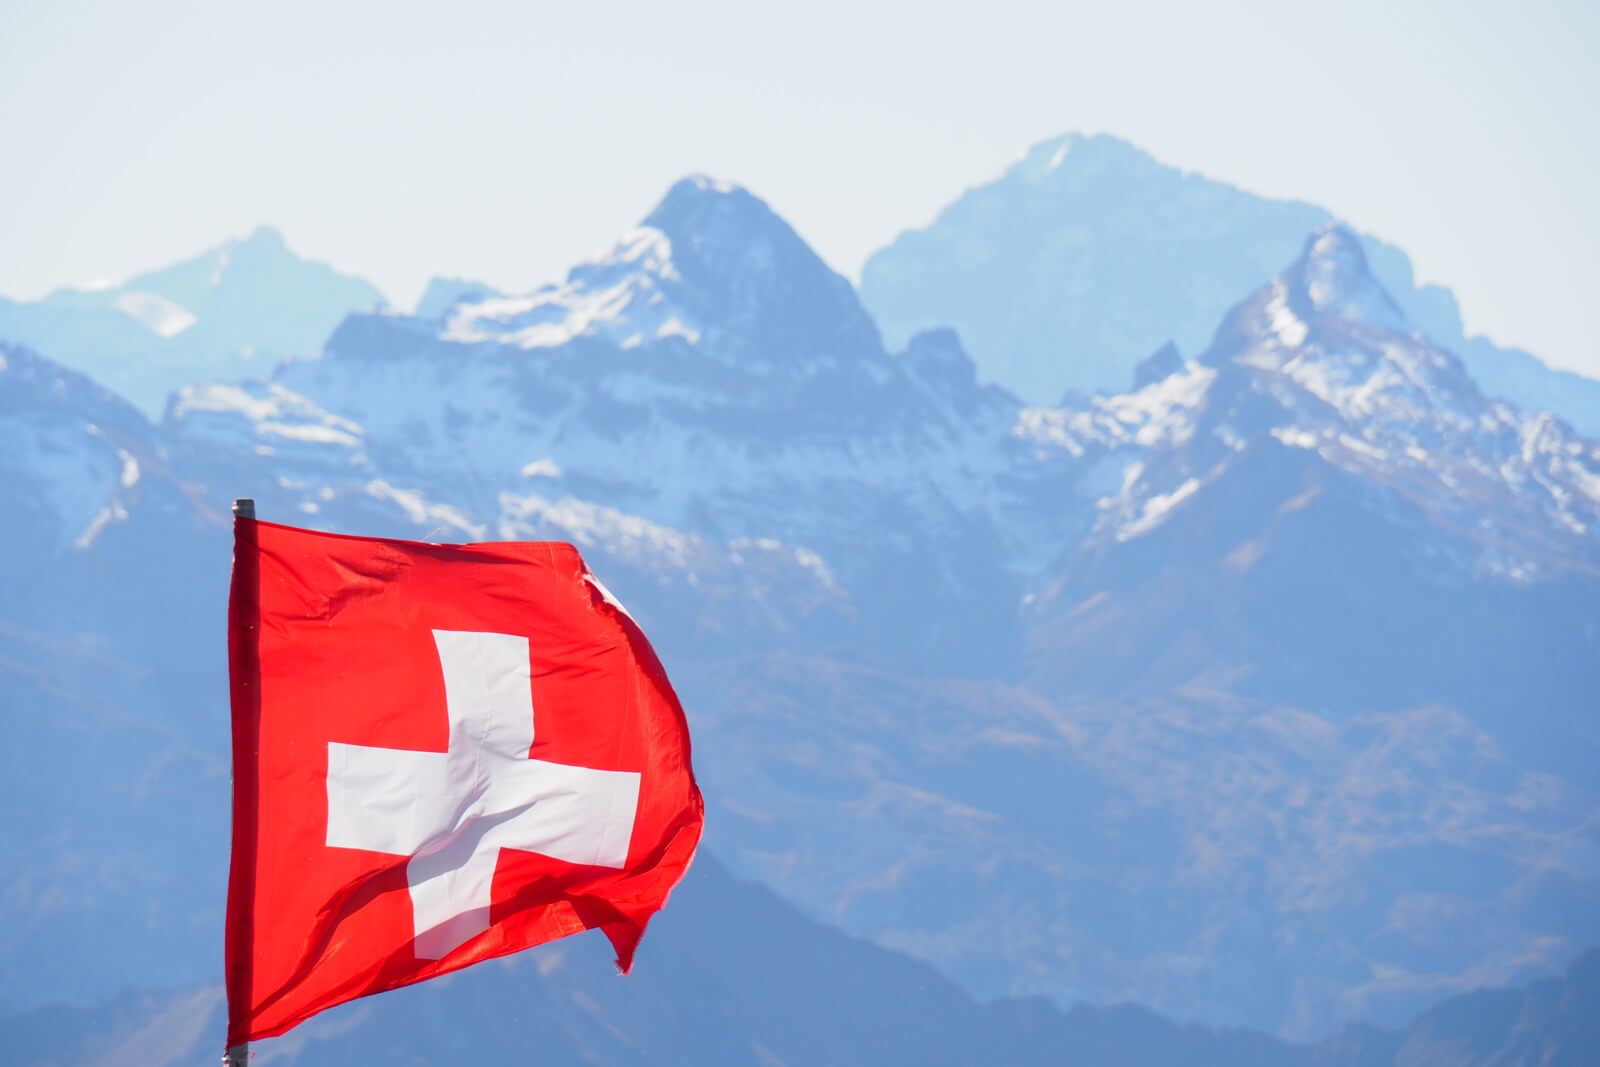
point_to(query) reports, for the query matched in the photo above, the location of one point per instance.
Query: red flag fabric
(442, 754)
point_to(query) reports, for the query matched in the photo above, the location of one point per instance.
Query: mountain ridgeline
(1257, 692)
(1087, 254)
(235, 311)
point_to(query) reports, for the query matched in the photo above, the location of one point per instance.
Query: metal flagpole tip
(244, 508)
(237, 1055)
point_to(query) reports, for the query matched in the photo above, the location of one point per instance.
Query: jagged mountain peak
(1158, 366)
(263, 244)
(737, 256)
(262, 262)
(715, 226)
(712, 266)
(1332, 277)
(263, 236)
(696, 193)
(1319, 364)
(226, 313)
(1088, 252)
(1076, 154)
(1327, 324)
(936, 359)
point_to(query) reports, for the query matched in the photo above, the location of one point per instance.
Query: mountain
(710, 378)
(109, 681)
(1256, 694)
(995, 588)
(1317, 426)
(731, 975)
(1551, 1022)
(228, 313)
(1372, 590)
(1087, 254)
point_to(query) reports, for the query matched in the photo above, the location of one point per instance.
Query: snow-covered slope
(228, 313)
(1322, 359)
(710, 377)
(1323, 509)
(1087, 254)
(72, 458)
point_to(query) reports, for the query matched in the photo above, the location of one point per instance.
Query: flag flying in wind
(442, 754)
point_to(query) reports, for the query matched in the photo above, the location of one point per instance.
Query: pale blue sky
(505, 141)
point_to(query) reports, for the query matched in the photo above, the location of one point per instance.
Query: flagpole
(239, 1055)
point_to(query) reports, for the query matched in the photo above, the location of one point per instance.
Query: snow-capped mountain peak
(228, 313)
(1323, 360)
(712, 267)
(261, 261)
(1075, 161)
(1327, 325)
(742, 265)
(1332, 278)
(1320, 361)
(714, 221)
(620, 296)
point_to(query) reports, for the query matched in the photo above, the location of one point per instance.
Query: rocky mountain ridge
(1087, 253)
(234, 311)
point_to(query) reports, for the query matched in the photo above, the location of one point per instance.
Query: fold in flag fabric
(441, 754)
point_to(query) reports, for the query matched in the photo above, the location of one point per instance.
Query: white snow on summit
(618, 296)
(156, 313)
(1320, 359)
(1161, 412)
(265, 418)
(1338, 282)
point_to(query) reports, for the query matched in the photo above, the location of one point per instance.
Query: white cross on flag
(442, 753)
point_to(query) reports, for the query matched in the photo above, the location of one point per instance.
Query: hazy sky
(505, 141)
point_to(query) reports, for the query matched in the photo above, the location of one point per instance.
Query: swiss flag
(442, 754)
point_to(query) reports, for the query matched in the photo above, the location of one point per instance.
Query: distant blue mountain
(1088, 254)
(229, 313)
